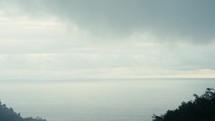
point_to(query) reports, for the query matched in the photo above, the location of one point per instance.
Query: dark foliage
(201, 109)
(7, 114)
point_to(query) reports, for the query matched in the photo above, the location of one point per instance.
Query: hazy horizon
(118, 100)
(106, 60)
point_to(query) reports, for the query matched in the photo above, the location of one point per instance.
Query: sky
(65, 39)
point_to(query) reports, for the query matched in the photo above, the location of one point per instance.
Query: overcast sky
(64, 39)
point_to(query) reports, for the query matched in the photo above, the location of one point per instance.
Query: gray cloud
(109, 38)
(193, 19)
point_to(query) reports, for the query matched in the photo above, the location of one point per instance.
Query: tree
(201, 109)
(7, 114)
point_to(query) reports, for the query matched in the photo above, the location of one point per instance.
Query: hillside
(8, 114)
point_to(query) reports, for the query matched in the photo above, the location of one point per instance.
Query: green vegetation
(7, 114)
(201, 109)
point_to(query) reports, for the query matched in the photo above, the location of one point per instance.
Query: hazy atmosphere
(107, 60)
(64, 39)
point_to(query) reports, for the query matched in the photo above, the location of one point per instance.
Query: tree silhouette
(201, 109)
(7, 114)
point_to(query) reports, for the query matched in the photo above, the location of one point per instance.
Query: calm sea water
(100, 100)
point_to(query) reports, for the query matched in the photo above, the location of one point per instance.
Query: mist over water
(100, 100)
(65, 41)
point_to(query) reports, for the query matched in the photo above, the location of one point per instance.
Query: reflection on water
(100, 100)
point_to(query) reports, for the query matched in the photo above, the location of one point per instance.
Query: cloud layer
(191, 19)
(106, 39)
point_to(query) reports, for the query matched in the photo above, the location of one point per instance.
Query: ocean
(99, 99)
